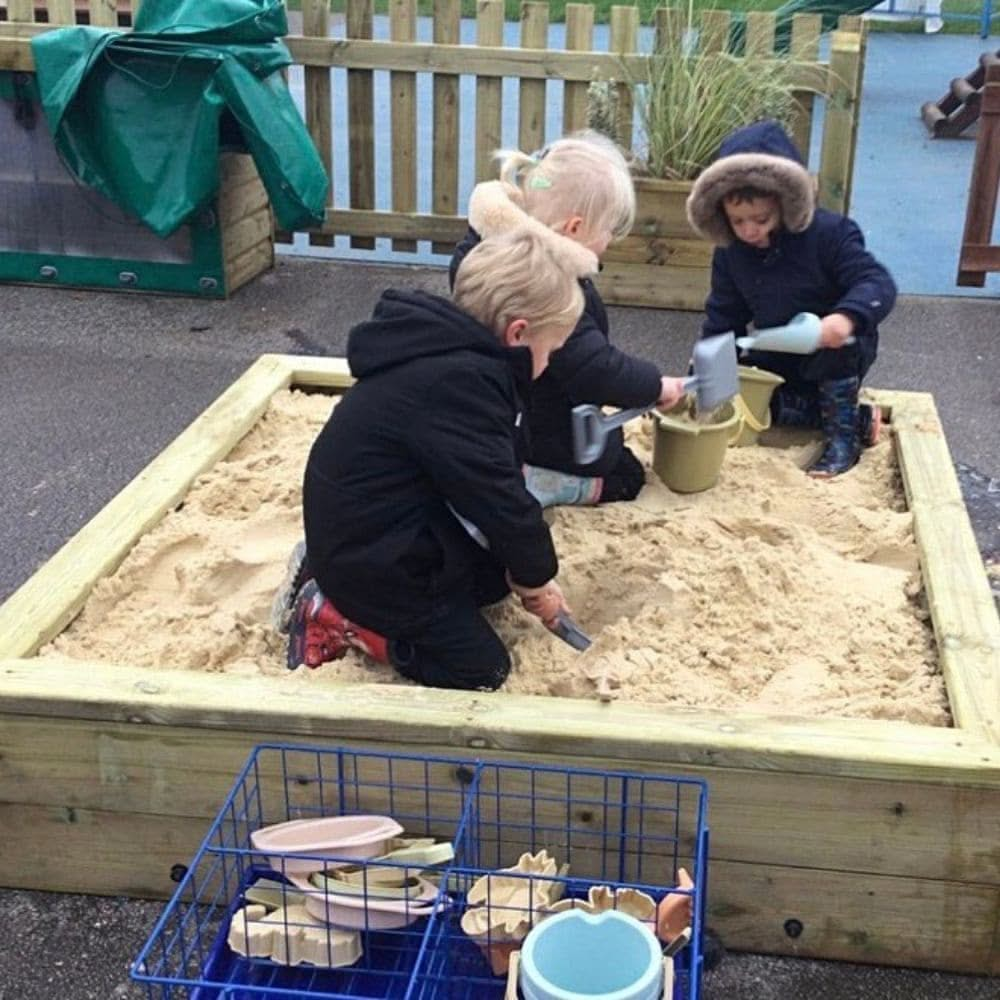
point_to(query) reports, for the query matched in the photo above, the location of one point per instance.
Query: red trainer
(319, 633)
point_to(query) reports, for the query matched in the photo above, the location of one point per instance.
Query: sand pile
(771, 592)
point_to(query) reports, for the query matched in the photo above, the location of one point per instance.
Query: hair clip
(539, 182)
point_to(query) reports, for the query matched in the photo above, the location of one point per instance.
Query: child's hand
(671, 392)
(543, 602)
(835, 329)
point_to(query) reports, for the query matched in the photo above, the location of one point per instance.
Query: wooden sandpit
(774, 636)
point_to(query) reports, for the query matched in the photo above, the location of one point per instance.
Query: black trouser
(625, 480)
(459, 648)
(804, 371)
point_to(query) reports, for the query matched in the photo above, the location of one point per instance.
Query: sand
(771, 592)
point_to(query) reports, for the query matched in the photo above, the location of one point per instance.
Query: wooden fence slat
(531, 99)
(61, 11)
(624, 38)
(489, 91)
(806, 29)
(837, 161)
(403, 112)
(361, 120)
(319, 101)
(445, 229)
(104, 13)
(714, 35)
(760, 32)
(978, 256)
(550, 64)
(426, 57)
(579, 36)
(669, 28)
(21, 10)
(444, 184)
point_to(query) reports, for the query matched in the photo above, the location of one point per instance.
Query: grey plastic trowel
(566, 629)
(800, 335)
(715, 379)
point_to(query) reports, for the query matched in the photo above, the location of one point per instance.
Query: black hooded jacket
(588, 368)
(431, 422)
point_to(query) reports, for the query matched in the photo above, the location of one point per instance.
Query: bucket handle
(746, 417)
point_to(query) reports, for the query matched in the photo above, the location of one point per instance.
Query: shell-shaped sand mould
(633, 902)
(502, 907)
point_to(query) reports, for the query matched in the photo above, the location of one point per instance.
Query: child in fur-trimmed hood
(777, 255)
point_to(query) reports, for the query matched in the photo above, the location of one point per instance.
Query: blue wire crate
(623, 831)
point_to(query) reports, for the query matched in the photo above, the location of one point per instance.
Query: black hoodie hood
(407, 325)
(763, 156)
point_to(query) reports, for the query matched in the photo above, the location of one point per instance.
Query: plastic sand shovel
(566, 629)
(799, 336)
(714, 381)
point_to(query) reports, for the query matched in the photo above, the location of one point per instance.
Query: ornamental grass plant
(690, 100)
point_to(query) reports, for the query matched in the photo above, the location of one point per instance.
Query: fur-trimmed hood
(762, 156)
(495, 207)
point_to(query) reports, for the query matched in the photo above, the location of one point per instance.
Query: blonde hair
(520, 274)
(582, 174)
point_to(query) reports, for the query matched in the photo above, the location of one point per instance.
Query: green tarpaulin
(141, 116)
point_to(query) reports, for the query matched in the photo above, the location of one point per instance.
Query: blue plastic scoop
(715, 380)
(799, 336)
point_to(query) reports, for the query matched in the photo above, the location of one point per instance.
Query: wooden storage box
(861, 840)
(57, 231)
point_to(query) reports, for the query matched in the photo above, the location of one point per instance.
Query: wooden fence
(979, 255)
(661, 264)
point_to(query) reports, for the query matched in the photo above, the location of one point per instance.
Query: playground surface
(910, 190)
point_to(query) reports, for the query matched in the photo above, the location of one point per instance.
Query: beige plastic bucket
(754, 403)
(688, 455)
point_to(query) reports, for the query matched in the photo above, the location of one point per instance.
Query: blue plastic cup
(577, 955)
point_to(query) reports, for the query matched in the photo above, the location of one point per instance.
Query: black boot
(869, 424)
(838, 402)
(794, 409)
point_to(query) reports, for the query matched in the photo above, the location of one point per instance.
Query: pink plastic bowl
(331, 840)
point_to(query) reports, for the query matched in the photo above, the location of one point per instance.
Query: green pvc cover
(140, 115)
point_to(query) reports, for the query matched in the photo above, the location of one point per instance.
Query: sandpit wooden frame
(878, 841)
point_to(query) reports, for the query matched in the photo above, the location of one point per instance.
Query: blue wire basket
(603, 832)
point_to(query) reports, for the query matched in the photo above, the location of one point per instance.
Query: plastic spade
(799, 336)
(715, 380)
(566, 629)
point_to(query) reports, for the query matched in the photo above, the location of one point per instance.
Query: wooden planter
(662, 262)
(861, 840)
